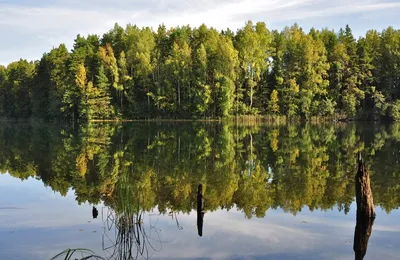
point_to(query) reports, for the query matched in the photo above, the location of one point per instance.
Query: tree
(101, 103)
(351, 93)
(3, 90)
(226, 64)
(125, 81)
(84, 92)
(140, 45)
(116, 38)
(179, 65)
(273, 105)
(58, 60)
(106, 55)
(18, 87)
(389, 63)
(202, 91)
(201, 72)
(253, 45)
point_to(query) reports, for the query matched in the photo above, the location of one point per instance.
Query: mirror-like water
(132, 191)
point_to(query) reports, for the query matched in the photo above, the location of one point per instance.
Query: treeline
(204, 73)
(250, 168)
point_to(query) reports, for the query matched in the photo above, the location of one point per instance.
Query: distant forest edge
(138, 73)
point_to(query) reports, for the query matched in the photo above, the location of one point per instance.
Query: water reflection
(127, 237)
(95, 212)
(291, 166)
(365, 210)
(200, 210)
(137, 168)
(362, 233)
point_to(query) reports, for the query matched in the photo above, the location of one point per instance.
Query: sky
(38, 223)
(30, 28)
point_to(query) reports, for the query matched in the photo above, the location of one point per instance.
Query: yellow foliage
(274, 134)
(81, 164)
(80, 77)
(273, 103)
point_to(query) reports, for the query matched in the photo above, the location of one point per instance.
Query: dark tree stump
(95, 212)
(200, 210)
(365, 211)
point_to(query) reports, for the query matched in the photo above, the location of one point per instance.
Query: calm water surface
(131, 191)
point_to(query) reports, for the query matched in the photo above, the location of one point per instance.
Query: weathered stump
(200, 210)
(365, 211)
(95, 212)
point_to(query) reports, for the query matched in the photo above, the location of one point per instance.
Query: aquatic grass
(125, 234)
(126, 217)
(85, 254)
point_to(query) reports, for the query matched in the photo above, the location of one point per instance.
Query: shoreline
(238, 119)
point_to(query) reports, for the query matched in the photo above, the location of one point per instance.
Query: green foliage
(253, 45)
(326, 107)
(394, 111)
(17, 89)
(273, 104)
(202, 73)
(252, 168)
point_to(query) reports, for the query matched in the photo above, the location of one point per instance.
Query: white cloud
(46, 218)
(32, 29)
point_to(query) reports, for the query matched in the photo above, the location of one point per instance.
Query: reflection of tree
(125, 237)
(251, 168)
(200, 210)
(136, 168)
(131, 239)
(132, 195)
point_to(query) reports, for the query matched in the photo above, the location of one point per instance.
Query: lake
(195, 190)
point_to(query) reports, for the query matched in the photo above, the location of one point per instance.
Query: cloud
(47, 218)
(33, 27)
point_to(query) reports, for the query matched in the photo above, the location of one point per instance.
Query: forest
(252, 168)
(199, 73)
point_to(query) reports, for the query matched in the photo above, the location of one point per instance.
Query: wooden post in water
(95, 212)
(200, 210)
(365, 211)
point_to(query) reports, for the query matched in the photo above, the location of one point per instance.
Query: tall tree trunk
(122, 104)
(179, 95)
(251, 93)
